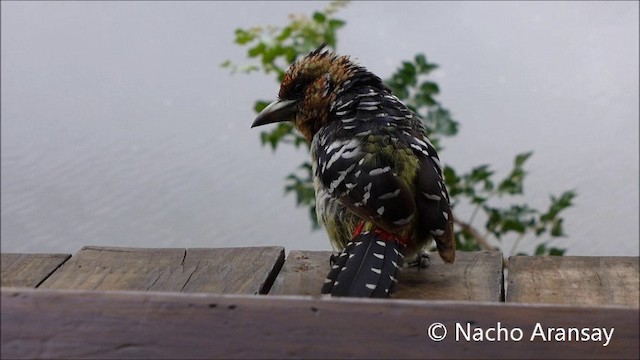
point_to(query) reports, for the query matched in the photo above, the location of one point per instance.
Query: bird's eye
(298, 88)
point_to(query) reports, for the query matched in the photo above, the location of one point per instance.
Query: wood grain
(96, 324)
(576, 280)
(474, 276)
(303, 273)
(223, 270)
(28, 270)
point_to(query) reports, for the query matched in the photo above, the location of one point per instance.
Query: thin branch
(482, 241)
(516, 245)
(473, 215)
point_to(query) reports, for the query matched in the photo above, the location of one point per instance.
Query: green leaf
(429, 87)
(243, 36)
(408, 73)
(269, 55)
(319, 17)
(285, 34)
(450, 176)
(421, 61)
(402, 93)
(425, 99)
(488, 185)
(256, 50)
(423, 66)
(558, 205)
(260, 105)
(290, 54)
(478, 200)
(441, 122)
(521, 158)
(541, 249)
(513, 225)
(314, 217)
(480, 173)
(514, 183)
(556, 228)
(556, 251)
(335, 24)
(330, 39)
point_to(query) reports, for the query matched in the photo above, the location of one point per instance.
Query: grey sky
(120, 128)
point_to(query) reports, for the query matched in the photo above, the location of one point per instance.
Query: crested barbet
(378, 180)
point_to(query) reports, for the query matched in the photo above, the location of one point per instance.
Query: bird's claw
(420, 261)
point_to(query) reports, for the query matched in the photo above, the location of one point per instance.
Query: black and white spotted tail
(367, 267)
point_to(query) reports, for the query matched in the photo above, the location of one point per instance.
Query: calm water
(119, 128)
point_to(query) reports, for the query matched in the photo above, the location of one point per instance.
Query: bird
(378, 181)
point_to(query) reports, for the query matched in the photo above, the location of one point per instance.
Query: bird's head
(309, 87)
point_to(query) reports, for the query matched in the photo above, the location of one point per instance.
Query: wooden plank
(28, 270)
(579, 280)
(82, 324)
(223, 270)
(474, 276)
(303, 273)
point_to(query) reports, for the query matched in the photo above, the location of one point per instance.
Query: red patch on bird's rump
(382, 234)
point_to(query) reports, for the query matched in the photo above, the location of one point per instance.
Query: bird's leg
(424, 260)
(421, 260)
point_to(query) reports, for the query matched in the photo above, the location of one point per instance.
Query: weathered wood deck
(106, 302)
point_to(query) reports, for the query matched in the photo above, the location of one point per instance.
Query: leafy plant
(275, 48)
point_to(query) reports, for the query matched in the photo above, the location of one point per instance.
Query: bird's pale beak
(277, 111)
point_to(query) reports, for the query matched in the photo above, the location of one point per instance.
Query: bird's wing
(369, 168)
(432, 200)
(384, 168)
(367, 183)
